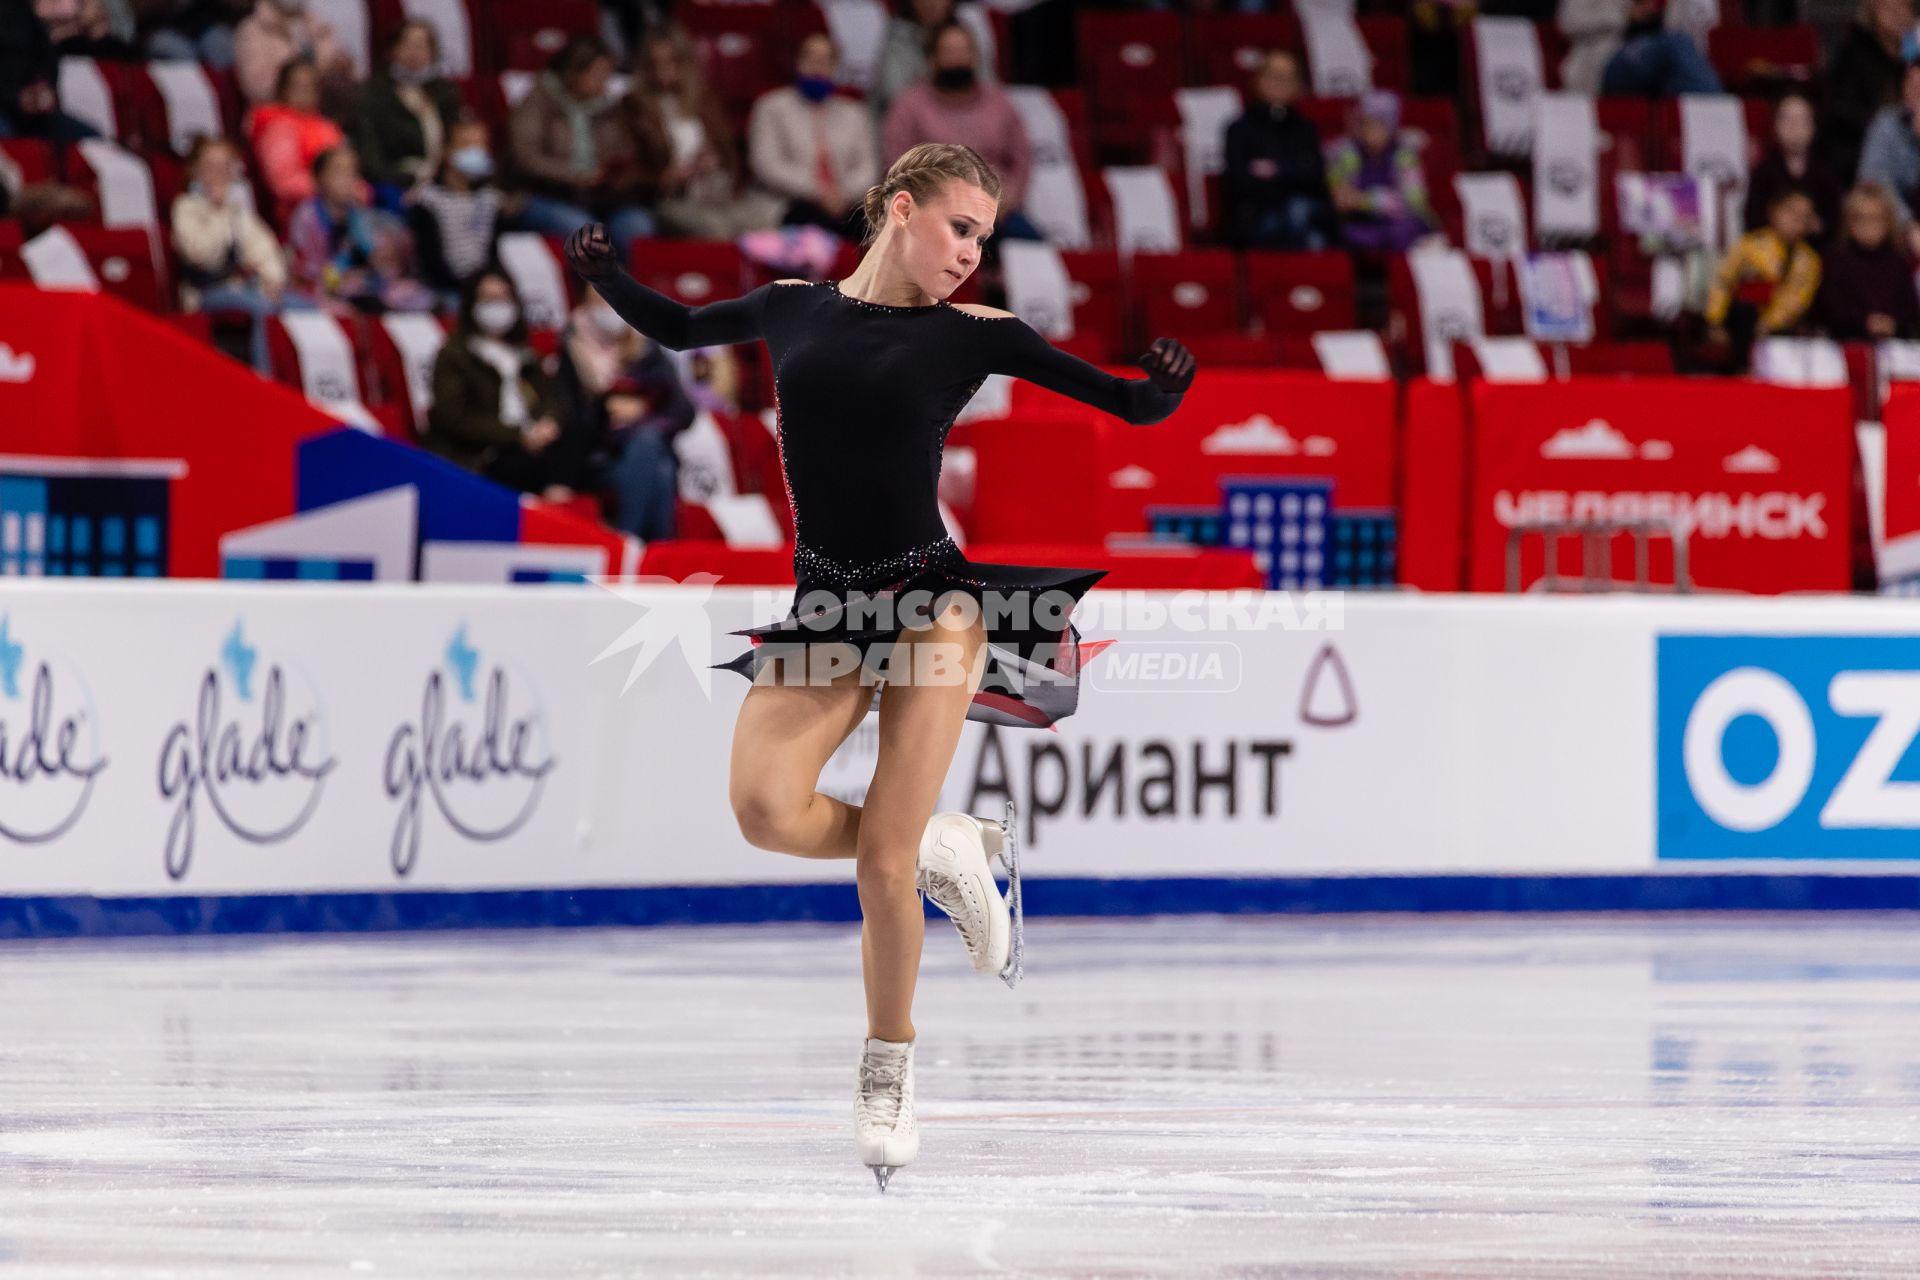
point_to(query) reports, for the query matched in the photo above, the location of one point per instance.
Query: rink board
(232, 758)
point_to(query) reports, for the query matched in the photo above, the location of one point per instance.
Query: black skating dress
(866, 394)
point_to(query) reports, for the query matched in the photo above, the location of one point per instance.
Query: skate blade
(883, 1174)
(1009, 854)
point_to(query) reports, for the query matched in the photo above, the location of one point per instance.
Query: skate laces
(883, 1090)
(951, 899)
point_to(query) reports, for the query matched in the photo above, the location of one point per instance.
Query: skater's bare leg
(782, 740)
(920, 723)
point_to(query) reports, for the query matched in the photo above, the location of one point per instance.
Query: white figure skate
(956, 873)
(883, 1124)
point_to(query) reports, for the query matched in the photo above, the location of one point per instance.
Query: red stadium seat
(1301, 293)
(1754, 58)
(1130, 64)
(129, 264)
(1386, 37)
(527, 33)
(1099, 296)
(1626, 131)
(1193, 292)
(31, 156)
(695, 272)
(1229, 48)
(747, 48)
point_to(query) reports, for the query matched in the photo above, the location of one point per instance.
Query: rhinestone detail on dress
(810, 564)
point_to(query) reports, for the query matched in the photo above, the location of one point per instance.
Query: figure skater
(870, 373)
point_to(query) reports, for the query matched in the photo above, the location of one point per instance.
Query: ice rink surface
(1466, 1096)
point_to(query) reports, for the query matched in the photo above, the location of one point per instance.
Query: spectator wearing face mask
(813, 149)
(404, 114)
(456, 219)
(229, 260)
(278, 32)
(493, 406)
(347, 254)
(954, 105)
(903, 54)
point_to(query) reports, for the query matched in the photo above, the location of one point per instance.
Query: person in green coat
(404, 116)
(494, 408)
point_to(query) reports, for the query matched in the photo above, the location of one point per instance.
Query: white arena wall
(179, 757)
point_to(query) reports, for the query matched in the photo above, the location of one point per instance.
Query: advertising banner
(229, 741)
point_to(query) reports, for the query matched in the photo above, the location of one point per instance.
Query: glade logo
(49, 743)
(256, 750)
(483, 755)
(1788, 747)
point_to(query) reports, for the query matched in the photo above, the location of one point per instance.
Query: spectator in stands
(812, 149)
(289, 134)
(1631, 49)
(700, 191)
(1275, 186)
(1891, 155)
(1767, 283)
(1378, 186)
(493, 405)
(456, 218)
(229, 260)
(599, 348)
(347, 254)
(403, 116)
(1866, 278)
(1791, 162)
(624, 391)
(903, 54)
(1864, 75)
(578, 152)
(29, 69)
(953, 105)
(195, 31)
(88, 28)
(278, 32)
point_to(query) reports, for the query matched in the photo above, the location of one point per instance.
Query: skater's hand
(1169, 366)
(591, 253)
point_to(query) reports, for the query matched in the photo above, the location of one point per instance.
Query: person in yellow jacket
(1767, 282)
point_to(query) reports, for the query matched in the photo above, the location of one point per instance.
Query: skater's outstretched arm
(670, 323)
(1019, 349)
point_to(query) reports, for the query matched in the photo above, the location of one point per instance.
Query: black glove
(1169, 366)
(591, 253)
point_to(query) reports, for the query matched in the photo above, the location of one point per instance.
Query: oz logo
(1788, 747)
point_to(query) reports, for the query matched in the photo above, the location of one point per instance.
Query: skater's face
(944, 235)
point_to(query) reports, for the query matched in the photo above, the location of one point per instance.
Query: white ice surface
(1306, 1096)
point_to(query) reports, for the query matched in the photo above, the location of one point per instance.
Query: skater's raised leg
(781, 741)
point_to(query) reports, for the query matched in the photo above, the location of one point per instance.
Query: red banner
(1756, 479)
(1232, 423)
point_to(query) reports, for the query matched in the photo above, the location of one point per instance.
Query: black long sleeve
(677, 326)
(1020, 351)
